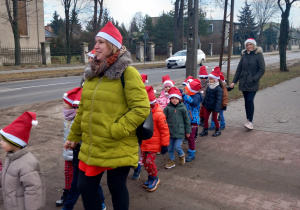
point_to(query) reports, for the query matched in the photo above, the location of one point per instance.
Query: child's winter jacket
(163, 100)
(192, 103)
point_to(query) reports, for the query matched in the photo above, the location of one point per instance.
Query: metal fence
(59, 56)
(29, 56)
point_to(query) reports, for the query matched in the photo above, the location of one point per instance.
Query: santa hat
(111, 34)
(69, 96)
(187, 80)
(77, 99)
(17, 133)
(203, 72)
(144, 78)
(151, 94)
(193, 87)
(222, 78)
(250, 40)
(215, 73)
(175, 92)
(92, 53)
(167, 81)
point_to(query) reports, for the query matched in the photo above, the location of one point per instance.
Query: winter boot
(212, 126)
(201, 121)
(153, 183)
(182, 159)
(222, 126)
(204, 132)
(217, 133)
(146, 184)
(136, 174)
(191, 155)
(63, 198)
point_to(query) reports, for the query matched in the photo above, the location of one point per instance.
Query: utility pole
(224, 37)
(191, 61)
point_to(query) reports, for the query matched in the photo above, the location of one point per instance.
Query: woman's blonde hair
(113, 49)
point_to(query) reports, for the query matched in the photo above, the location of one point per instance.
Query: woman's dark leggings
(249, 104)
(116, 181)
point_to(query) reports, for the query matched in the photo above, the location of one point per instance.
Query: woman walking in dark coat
(249, 71)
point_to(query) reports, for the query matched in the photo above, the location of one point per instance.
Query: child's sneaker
(182, 159)
(146, 184)
(170, 164)
(153, 183)
(103, 206)
(136, 174)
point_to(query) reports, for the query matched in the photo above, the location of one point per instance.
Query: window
(210, 28)
(22, 18)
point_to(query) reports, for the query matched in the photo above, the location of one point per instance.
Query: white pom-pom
(206, 66)
(146, 81)
(154, 91)
(213, 69)
(34, 122)
(65, 94)
(202, 91)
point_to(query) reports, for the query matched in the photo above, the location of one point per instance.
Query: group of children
(176, 115)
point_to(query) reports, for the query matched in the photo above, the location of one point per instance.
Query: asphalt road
(34, 91)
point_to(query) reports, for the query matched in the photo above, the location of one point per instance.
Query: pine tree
(248, 26)
(270, 37)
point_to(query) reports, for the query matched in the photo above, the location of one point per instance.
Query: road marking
(15, 89)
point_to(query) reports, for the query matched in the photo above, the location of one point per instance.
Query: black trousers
(249, 104)
(116, 181)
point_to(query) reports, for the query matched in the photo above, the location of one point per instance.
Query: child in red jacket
(157, 143)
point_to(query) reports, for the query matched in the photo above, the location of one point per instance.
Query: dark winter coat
(178, 120)
(213, 98)
(250, 69)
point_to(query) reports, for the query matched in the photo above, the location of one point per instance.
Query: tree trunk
(68, 48)
(15, 29)
(178, 25)
(95, 17)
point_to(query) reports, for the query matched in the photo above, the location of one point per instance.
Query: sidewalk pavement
(241, 169)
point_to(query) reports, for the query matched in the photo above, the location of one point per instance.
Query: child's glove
(164, 150)
(224, 108)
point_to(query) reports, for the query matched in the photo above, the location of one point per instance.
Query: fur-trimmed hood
(115, 70)
(256, 50)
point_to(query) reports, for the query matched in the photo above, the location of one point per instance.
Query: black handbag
(145, 130)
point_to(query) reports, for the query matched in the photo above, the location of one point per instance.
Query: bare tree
(178, 25)
(284, 30)
(97, 17)
(264, 10)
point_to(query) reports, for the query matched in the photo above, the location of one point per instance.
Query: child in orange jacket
(157, 143)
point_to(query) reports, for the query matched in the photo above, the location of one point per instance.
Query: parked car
(179, 59)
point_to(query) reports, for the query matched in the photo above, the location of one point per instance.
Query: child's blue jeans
(175, 144)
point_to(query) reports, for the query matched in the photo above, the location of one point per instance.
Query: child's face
(174, 100)
(67, 106)
(203, 79)
(211, 80)
(167, 88)
(7, 147)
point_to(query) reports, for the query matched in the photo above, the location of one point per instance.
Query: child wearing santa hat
(163, 98)
(203, 75)
(68, 115)
(22, 180)
(179, 126)
(212, 101)
(157, 143)
(192, 100)
(223, 106)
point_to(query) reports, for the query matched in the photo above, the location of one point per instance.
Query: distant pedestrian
(163, 99)
(159, 142)
(192, 99)
(248, 73)
(179, 126)
(22, 180)
(212, 101)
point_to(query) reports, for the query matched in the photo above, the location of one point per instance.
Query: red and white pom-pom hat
(111, 34)
(193, 87)
(77, 99)
(175, 92)
(144, 78)
(187, 80)
(203, 72)
(166, 80)
(69, 96)
(215, 73)
(92, 53)
(18, 132)
(250, 40)
(151, 94)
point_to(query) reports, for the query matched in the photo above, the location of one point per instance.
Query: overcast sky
(123, 11)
